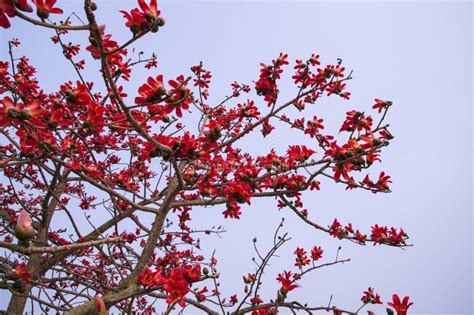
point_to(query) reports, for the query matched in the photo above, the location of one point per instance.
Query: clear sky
(417, 54)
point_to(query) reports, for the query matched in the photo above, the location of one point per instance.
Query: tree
(140, 162)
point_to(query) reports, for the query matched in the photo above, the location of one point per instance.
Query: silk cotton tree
(89, 145)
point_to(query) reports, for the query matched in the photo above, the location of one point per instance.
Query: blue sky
(417, 54)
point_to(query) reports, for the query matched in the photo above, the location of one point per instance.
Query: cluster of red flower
(43, 9)
(175, 282)
(269, 74)
(149, 17)
(380, 235)
(371, 297)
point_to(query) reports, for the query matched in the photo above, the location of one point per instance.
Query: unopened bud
(24, 228)
(93, 6)
(99, 306)
(160, 21)
(42, 13)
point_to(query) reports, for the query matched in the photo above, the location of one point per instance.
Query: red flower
(301, 258)
(356, 121)
(256, 300)
(23, 5)
(5, 119)
(20, 272)
(379, 234)
(370, 297)
(180, 97)
(45, 7)
(370, 140)
(381, 105)
(383, 181)
(139, 21)
(135, 20)
(266, 85)
(338, 88)
(212, 131)
(59, 117)
(151, 11)
(313, 126)
(266, 127)
(265, 311)
(238, 191)
(300, 153)
(286, 283)
(337, 71)
(314, 60)
(192, 274)
(146, 278)
(109, 45)
(360, 237)
(250, 278)
(248, 110)
(336, 229)
(401, 307)
(381, 184)
(6, 9)
(177, 287)
(95, 114)
(152, 91)
(9, 112)
(232, 210)
(316, 253)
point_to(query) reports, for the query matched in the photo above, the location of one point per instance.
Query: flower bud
(93, 6)
(160, 21)
(24, 229)
(99, 306)
(389, 311)
(42, 13)
(155, 28)
(165, 119)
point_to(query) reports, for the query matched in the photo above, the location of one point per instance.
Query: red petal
(56, 10)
